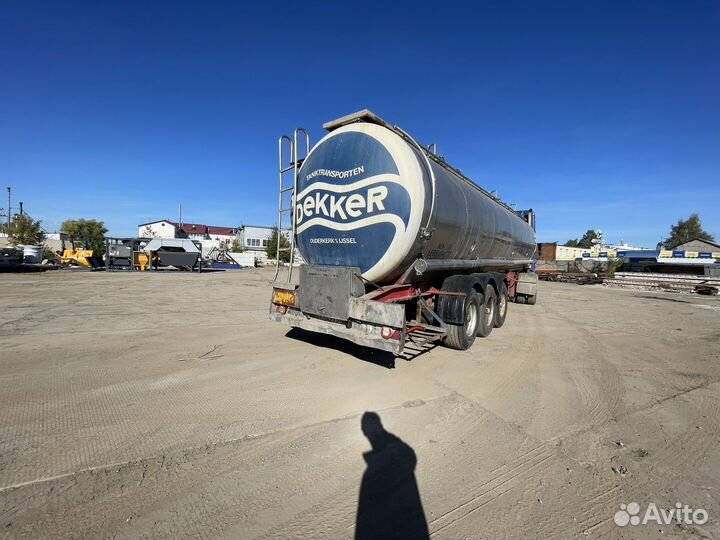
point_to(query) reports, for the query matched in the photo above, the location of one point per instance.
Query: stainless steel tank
(369, 196)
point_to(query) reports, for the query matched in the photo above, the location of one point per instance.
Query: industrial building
(252, 238)
(194, 231)
(693, 257)
(256, 238)
(697, 245)
(698, 257)
(551, 251)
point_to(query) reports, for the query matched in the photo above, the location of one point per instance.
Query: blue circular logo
(350, 202)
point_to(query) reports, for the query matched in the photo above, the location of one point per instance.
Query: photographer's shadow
(389, 505)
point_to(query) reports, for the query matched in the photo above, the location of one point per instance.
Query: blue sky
(598, 114)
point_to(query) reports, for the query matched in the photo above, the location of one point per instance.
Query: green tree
(25, 230)
(686, 230)
(271, 249)
(86, 231)
(587, 240)
(236, 246)
(48, 253)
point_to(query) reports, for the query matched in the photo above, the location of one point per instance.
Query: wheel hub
(471, 318)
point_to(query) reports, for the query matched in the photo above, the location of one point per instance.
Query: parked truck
(399, 247)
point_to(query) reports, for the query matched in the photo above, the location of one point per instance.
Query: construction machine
(80, 257)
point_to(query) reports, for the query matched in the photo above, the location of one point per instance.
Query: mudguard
(451, 308)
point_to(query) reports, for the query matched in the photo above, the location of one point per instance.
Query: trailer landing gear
(526, 288)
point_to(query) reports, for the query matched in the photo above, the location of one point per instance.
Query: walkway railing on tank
(288, 147)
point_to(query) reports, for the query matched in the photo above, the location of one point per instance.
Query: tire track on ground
(602, 395)
(502, 479)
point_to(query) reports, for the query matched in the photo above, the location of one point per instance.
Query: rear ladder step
(289, 145)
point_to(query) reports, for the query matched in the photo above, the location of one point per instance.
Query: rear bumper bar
(368, 333)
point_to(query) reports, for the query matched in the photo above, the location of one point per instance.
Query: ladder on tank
(288, 147)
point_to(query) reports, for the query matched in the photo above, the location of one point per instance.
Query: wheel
(531, 299)
(462, 336)
(487, 312)
(520, 298)
(502, 306)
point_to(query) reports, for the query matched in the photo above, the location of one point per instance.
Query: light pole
(9, 213)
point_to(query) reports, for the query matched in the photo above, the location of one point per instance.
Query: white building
(252, 238)
(567, 253)
(255, 238)
(210, 236)
(195, 231)
(158, 229)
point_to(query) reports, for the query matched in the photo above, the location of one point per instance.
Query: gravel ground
(168, 405)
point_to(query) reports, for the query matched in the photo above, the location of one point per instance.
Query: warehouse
(255, 238)
(194, 231)
(698, 245)
(551, 251)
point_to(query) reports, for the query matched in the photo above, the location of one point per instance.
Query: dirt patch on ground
(168, 405)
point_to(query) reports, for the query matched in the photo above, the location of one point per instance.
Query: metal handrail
(282, 170)
(295, 147)
(296, 168)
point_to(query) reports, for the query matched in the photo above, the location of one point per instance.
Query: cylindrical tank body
(370, 198)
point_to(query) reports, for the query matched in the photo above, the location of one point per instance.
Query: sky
(597, 114)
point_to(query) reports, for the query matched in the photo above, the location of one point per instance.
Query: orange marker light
(284, 298)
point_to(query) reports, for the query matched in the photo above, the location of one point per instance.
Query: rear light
(390, 333)
(284, 297)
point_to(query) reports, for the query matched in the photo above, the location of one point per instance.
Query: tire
(502, 306)
(487, 312)
(462, 336)
(520, 299)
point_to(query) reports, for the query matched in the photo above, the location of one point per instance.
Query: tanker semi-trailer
(398, 246)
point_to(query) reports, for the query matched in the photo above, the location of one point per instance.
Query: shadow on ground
(374, 356)
(389, 505)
